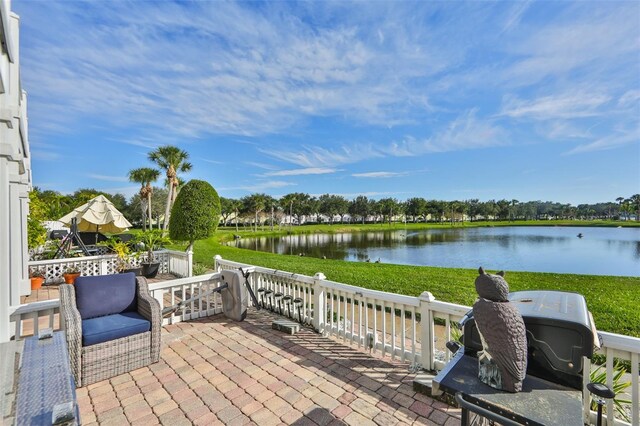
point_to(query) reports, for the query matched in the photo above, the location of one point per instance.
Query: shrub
(196, 212)
(200, 269)
(36, 233)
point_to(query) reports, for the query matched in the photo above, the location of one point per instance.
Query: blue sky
(443, 100)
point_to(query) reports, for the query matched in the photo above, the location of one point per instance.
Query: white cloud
(630, 98)
(45, 155)
(244, 73)
(566, 105)
(513, 19)
(317, 156)
(206, 160)
(463, 133)
(260, 186)
(379, 174)
(610, 141)
(305, 171)
(108, 178)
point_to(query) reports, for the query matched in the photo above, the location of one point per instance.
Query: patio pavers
(215, 371)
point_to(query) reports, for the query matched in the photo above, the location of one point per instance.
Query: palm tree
(255, 203)
(634, 200)
(145, 176)
(620, 200)
(173, 160)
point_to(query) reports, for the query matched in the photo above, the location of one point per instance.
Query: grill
(560, 331)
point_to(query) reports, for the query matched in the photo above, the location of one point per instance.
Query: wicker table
(45, 380)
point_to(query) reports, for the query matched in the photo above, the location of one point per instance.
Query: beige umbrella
(98, 215)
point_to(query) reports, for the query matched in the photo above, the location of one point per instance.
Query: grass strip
(613, 300)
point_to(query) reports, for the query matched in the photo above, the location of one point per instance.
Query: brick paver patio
(215, 371)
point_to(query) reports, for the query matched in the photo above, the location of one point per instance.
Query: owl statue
(502, 363)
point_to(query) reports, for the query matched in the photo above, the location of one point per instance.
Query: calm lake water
(601, 251)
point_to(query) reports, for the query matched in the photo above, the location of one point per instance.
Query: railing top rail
(175, 252)
(449, 308)
(26, 308)
(372, 294)
(620, 342)
(69, 260)
(213, 277)
(90, 258)
(259, 269)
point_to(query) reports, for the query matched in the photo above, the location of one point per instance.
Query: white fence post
(319, 315)
(426, 330)
(190, 263)
(103, 266)
(216, 263)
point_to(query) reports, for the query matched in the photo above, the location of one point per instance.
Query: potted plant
(124, 255)
(152, 239)
(70, 274)
(37, 277)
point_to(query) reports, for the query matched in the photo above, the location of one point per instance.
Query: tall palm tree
(145, 176)
(620, 200)
(172, 160)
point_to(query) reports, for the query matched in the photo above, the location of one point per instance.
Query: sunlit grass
(612, 300)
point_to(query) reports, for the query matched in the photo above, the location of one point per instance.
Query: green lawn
(612, 300)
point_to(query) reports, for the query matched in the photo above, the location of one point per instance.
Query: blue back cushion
(106, 294)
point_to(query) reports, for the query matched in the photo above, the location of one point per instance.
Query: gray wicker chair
(96, 360)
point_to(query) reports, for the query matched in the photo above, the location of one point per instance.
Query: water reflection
(601, 251)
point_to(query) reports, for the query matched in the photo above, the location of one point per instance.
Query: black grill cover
(559, 333)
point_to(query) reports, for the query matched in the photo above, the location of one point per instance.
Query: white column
(426, 331)
(319, 313)
(5, 248)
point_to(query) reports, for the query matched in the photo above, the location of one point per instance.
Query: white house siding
(15, 172)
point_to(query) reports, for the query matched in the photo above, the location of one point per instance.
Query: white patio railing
(412, 329)
(415, 329)
(170, 293)
(175, 262)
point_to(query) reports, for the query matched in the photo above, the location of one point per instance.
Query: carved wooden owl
(503, 334)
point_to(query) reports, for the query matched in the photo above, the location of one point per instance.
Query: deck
(214, 371)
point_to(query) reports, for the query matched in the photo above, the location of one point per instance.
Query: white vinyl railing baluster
(393, 330)
(403, 334)
(609, 366)
(365, 341)
(414, 334)
(375, 325)
(384, 328)
(635, 405)
(360, 339)
(353, 318)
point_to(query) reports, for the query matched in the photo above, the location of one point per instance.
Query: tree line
(261, 208)
(152, 205)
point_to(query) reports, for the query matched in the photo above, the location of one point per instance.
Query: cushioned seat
(111, 327)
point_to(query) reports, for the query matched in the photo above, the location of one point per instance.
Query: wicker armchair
(112, 324)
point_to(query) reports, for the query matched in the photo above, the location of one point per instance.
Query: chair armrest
(149, 308)
(71, 322)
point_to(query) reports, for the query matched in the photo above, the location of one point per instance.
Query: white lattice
(105, 264)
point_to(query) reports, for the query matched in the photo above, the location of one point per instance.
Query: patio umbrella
(98, 215)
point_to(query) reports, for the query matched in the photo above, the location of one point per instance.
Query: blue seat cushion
(101, 295)
(111, 327)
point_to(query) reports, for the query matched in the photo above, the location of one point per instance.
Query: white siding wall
(15, 171)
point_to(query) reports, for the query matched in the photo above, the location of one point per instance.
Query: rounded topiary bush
(196, 212)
